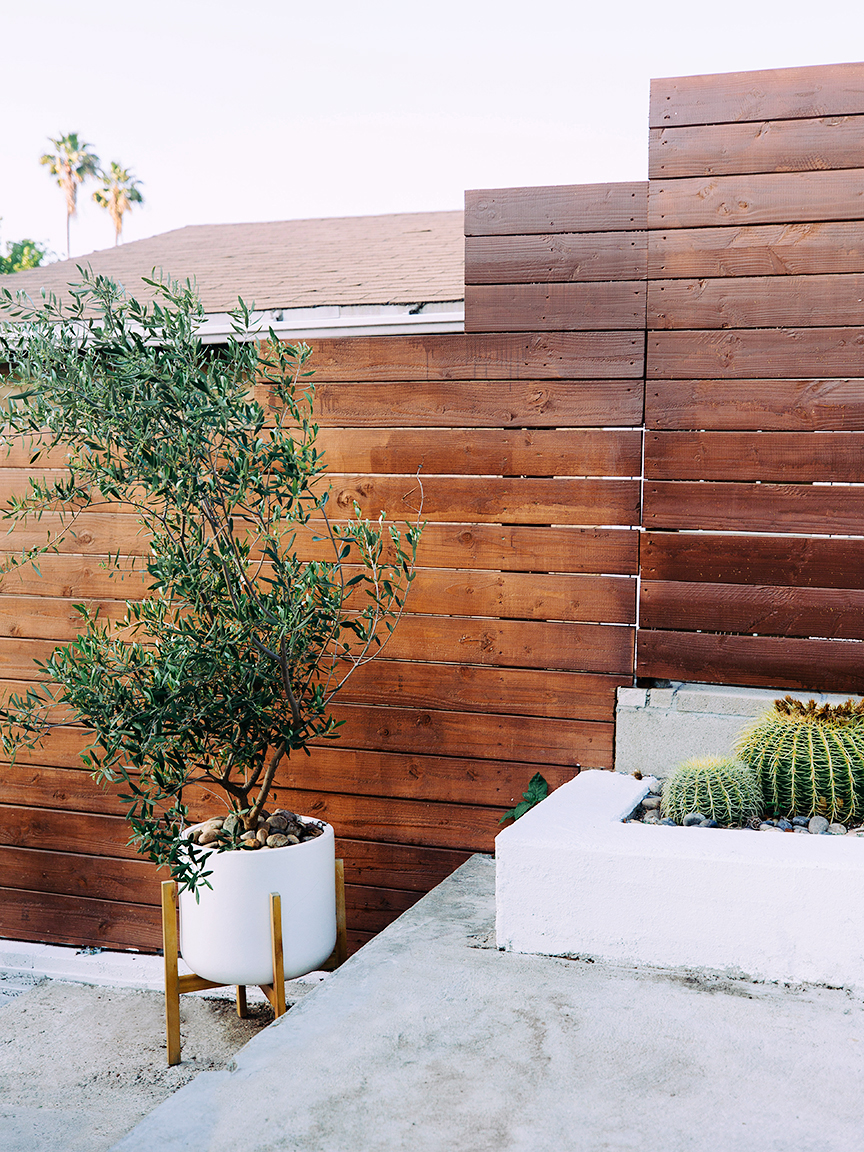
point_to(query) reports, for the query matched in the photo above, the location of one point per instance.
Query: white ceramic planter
(225, 934)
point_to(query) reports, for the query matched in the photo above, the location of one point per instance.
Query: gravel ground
(81, 1065)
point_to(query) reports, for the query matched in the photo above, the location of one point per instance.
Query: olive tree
(230, 661)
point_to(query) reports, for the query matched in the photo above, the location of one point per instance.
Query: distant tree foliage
(71, 164)
(21, 255)
(118, 193)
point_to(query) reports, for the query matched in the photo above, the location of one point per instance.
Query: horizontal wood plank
(776, 457)
(506, 643)
(775, 405)
(73, 874)
(530, 403)
(564, 208)
(763, 198)
(489, 499)
(468, 688)
(483, 451)
(373, 909)
(743, 354)
(87, 834)
(720, 507)
(758, 661)
(586, 307)
(815, 144)
(769, 94)
(402, 866)
(517, 595)
(768, 610)
(833, 246)
(473, 735)
(796, 561)
(513, 548)
(416, 777)
(465, 827)
(757, 302)
(505, 356)
(77, 920)
(561, 257)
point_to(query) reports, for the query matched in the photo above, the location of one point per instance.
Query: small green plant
(723, 789)
(809, 758)
(538, 789)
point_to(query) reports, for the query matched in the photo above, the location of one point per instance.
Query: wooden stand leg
(242, 1010)
(172, 982)
(278, 1000)
(341, 929)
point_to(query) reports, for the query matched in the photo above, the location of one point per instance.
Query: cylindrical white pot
(225, 934)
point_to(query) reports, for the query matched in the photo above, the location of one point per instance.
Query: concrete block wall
(657, 728)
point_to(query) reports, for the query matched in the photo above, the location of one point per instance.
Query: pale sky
(273, 111)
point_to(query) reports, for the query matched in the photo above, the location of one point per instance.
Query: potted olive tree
(229, 663)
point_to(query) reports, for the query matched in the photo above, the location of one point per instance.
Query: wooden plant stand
(176, 985)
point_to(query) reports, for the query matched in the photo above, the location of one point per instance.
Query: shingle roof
(399, 259)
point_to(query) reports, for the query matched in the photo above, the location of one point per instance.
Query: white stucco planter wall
(572, 879)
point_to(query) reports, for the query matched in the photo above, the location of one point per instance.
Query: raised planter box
(572, 879)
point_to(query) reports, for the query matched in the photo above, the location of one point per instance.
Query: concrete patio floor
(429, 1039)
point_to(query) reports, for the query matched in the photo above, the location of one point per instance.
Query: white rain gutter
(344, 320)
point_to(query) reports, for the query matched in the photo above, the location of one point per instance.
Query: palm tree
(71, 165)
(118, 193)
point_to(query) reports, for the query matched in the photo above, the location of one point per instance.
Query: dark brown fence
(527, 434)
(527, 440)
(754, 509)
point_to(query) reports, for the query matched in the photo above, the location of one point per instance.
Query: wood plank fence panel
(770, 94)
(755, 256)
(555, 257)
(519, 628)
(758, 250)
(567, 208)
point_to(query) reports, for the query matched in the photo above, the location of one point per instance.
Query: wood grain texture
(73, 874)
(819, 144)
(530, 403)
(489, 499)
(775, 405)
(469, 688)
(483, 451)
(42, 617)
(775, 457)
(833, 246)
(744, 354)
(402, 866)
(584, 307)
(763, 198)
(86, 833)
(757, 302)
(561, 549)
(465, 827)
(518, 595)
(372, 909)
(521, 356)
(415, 777)
(768, 610)
(564, 208)
(796, 561)
(757, 661)
(473, 735)
(770, 94)
(79, 921)
(549, 258)
(68, 789)
(771, 508)
(94, 534)
(565, 647)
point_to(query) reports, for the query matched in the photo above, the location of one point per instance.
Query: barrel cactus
(723, 789)
(809, 758)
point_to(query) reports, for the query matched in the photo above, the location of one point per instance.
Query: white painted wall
(572, 879)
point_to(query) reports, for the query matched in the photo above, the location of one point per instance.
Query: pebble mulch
(648, 812)
(274, 831)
